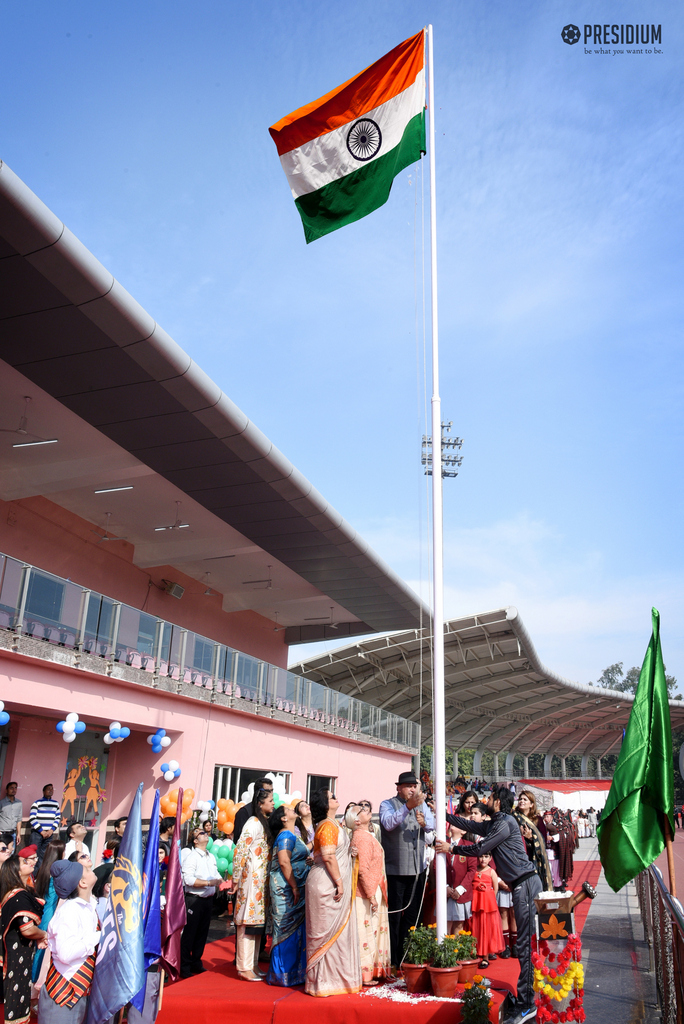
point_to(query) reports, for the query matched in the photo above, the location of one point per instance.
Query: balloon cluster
(4, 715)
(171, 770)
(169, 804)
(224, 851)
(159, 739)
(70, 727)
(117, 733)
(225, 819)
(205, 806)
(280, 795)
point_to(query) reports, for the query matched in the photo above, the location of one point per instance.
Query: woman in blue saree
(287, 876)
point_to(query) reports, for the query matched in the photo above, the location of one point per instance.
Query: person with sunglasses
(6, 850)
(372, 826)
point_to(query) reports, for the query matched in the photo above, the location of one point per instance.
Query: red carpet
(219, 995)
(584, 871)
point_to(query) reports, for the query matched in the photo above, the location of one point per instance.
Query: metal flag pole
(438, 738)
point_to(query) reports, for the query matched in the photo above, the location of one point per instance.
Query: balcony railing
(38, 604)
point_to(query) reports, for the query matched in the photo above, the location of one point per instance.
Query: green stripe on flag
(631, 833)
(359, 193)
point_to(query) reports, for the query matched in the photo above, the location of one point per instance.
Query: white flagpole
(438, 729)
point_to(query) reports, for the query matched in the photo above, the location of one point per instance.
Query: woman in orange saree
(332, 967)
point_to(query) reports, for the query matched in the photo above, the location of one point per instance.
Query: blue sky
(144, 127)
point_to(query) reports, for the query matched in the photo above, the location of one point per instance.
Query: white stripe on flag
(327, 158)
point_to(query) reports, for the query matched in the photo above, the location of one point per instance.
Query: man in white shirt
(72, 938)
(10, 815)
(200, 879)
(77, 833)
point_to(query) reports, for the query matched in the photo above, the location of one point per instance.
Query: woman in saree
(250, 882)
(332, 946)
(287, 878)
(20, 914)
(372, 919)
(527, 816)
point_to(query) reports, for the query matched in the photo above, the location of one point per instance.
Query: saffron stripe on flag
(322, 160)
(389, 76)
(348, 199)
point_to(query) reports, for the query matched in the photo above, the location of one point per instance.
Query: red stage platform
(219, 997)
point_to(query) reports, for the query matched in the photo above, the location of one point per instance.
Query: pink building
(158, 557)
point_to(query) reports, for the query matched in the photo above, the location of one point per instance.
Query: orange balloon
(222, 805)
(238, 806)
(231, 803)
(222, 817)
(173, 808)
(185, 817)
(189, 792)
(230, 815)
(227, 828)
(173, 795)
(293, 803)
(187, 800)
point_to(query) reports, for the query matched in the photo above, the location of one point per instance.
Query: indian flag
(342, 152)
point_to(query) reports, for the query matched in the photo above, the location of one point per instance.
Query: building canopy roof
(130, 406)
(498, 695)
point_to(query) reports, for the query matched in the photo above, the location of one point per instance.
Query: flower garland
(556, 982)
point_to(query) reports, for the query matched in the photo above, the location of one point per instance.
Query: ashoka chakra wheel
(364, 139)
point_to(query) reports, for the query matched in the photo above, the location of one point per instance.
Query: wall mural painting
(84, 792)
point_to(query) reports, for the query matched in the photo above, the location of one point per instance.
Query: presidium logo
(613, 35)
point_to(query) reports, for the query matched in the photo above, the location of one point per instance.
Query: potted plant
(467, 955)
(445, 967)
(476, 1001)
(418, 951)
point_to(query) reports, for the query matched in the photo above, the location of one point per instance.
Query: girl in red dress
(485, 912)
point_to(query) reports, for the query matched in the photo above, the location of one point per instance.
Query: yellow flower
(477, 978)
(412, 928)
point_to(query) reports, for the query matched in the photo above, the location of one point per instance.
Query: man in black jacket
(247, 812)
(502, 833)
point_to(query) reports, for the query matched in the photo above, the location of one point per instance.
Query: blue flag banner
(151, 905)
(120, 964)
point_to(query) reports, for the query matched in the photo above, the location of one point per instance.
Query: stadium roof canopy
(130, 407)
(499, 696)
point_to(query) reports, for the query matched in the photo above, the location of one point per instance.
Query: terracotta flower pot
(416, 977)
(444, 981)
(469, 968)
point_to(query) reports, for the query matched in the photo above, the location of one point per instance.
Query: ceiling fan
(323, 618)
(256, 584)
(23, 431)
(107, 535)
(178, 525)
(277, 628)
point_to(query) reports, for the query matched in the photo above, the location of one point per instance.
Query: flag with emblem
(120, 964)
(342, 152)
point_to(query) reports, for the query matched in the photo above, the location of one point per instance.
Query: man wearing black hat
(404, 820)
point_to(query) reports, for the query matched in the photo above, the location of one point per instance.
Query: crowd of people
(336, 893)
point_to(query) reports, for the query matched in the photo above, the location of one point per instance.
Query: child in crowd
(485, 913)
(72, 937)
(460, 872)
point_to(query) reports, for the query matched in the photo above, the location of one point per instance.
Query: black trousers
(399, 890)
(194, 937)
(525, 911)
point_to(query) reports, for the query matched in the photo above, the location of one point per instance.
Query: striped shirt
(44, 814)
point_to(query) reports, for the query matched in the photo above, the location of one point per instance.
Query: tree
(613, 678)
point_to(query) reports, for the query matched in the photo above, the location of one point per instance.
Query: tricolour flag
(151, 904)
(120, 965)
(631, 833)
(342, 152)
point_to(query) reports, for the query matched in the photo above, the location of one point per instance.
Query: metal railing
(58, 611)
(663, 919)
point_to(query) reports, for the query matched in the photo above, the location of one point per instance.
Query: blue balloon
(164, 768)
(160, 733)
(156, 749)
(115, 733)
(212, 805)
(4, 718)
(176, 774)
(80, 727)
(125, 732)
(60, 726)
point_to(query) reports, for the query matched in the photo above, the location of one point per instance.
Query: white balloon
(174, 765)
(296, 795)
(68, 737)
(149, 739)
(165, 741)
(246, 797)
(2, 705)
(119, 739)
(72, 717)
(112, 725)
(204, 816)
(270, 775)
(108, 739)
(219, 843)
(169, 776)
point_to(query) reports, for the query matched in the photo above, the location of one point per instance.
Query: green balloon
(276, 800)
(210, 843)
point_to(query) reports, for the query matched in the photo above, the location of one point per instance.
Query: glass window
(230, 783)
(203, 655)
(45, 597)
(315, 782)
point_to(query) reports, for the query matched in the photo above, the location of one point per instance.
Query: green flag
(632, 830)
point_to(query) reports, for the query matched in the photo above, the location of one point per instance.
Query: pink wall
(37, 694)
(48, 536)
